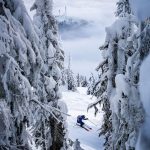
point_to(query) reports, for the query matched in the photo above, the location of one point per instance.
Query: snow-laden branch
(47, 107)
(56, 109)
(43, 106)
(101, 65)
(98, 101)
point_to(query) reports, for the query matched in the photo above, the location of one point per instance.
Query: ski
(84, 127)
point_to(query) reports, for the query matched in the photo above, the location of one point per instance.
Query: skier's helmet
(83, 116)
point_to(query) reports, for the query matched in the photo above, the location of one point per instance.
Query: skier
(80, 118)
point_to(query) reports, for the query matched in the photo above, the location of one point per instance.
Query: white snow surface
(141, 8)
(77, 103)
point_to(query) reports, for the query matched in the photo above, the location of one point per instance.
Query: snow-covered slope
(77, 103)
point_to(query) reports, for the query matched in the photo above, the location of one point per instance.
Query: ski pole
(92, 122)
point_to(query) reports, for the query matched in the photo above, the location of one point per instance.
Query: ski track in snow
(77, 103)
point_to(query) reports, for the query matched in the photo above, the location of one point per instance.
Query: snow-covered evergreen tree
(78, 80)
(91, 84)
(53, 58)
(83, 81)
(69, 78)
(20, 65)
(71, 83)
(30, 66)
(123, 8)
(117, 88)
(142, 14)
(64, 78)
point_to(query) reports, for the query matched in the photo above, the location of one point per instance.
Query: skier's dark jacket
(80, 118)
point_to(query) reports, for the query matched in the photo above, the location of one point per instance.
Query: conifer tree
(30, 72)
(70, 79)
(91, 84)
(117, 88)
(53, 58)
(19, 68)
(123, 8)
(78, 80)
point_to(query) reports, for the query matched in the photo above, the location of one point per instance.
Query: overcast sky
(85, 55)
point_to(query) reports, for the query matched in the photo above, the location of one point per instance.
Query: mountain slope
(77, 103)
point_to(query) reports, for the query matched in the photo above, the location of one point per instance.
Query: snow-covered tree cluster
(81, 81)
(117, 90)
(31, 60)
(91, 85)
(68, 78)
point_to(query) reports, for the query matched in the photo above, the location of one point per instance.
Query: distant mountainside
(75, 27)
(70, 23)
